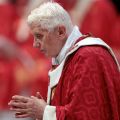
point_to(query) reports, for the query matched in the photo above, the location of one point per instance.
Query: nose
(36, 44)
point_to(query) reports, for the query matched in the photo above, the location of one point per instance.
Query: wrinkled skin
(28, 107)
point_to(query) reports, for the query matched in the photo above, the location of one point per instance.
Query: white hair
(49, 15)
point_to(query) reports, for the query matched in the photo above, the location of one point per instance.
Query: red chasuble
(89, 87)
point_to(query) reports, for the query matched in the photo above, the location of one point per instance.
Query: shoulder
(91, 51)
(94, 53)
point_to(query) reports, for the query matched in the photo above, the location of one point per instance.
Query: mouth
(43, 51)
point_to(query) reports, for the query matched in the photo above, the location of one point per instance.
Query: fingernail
(32, 96)
(9, 103)
(13, 96)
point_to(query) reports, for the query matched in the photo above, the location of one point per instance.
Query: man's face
(49, 43)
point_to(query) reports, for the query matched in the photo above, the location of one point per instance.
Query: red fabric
(8, 86)
(99, 20)
(67, 4)
(7, 17)
(115, 34)
(115, 37)
(89, 87)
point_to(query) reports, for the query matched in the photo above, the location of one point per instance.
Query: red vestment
(89, 86)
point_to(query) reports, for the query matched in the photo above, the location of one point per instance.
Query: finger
(20, 98)
(36, 99)
(18, 115)
(10, 102)
(33, 97)
(14, 104)
(20, 111)
(38, 95)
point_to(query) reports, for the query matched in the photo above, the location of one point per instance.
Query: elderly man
(84, 82)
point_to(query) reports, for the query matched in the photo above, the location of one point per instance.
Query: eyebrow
(37, 34)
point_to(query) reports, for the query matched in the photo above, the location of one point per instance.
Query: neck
(72, 38)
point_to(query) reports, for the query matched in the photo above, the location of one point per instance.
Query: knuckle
(29, 104)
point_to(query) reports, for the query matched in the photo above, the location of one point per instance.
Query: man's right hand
(27, 106)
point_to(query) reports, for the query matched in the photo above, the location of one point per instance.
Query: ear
(61, 32)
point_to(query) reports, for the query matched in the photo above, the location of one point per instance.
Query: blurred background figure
(8, 85)
(35, 79)
(23, 69)
(115, 33)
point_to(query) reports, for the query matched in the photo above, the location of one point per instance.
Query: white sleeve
(49, 113)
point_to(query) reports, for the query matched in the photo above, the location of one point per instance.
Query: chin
(50, 56)
(47, 55)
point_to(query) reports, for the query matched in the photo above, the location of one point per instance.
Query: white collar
(73, 37)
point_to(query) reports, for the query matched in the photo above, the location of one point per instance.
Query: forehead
(37, 29)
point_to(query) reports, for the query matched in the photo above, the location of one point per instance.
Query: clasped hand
(27, 106)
